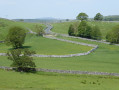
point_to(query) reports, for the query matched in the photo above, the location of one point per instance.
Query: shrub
(113, 36)
(73, 29)
(39, 30)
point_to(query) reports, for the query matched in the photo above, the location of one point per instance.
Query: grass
(49, 47)
(10, 80)
(104, 27)
(6, 24)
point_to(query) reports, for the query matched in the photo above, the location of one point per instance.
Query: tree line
(92, 32)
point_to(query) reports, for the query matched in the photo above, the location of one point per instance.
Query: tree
(84, 30)
(21, 20)
(96, 33)
(39, 30)
(82, 16)
(73, 29)
(21, 59)
(98, 17)
(16, 37)
(113, 36)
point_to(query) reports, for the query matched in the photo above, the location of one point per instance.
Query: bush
(113, 36)
(39, 30)
(16, 37)
(73, 29)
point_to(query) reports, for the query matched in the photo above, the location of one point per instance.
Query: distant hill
(45, 20)
(39, 20)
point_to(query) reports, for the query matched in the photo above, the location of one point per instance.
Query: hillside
(5, 24)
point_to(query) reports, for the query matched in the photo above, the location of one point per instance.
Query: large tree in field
(113, 36)
(21, 59)
(98, 17)
(16, 37)
(82, 16)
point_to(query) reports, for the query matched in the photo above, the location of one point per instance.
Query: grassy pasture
(104, 27)
(49, 47)
(10, 80)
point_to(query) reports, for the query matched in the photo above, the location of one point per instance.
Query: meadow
(10, 80)
(104, 59)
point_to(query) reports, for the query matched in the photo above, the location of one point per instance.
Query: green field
(48, 46)
(104, 59)
(10, 80)
(104, 27)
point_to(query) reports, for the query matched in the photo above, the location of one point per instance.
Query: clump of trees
(86, 31)
(21, 59)
(39, 30)
(98, 17)
(82, 16)
(113, 35)
(16, 37)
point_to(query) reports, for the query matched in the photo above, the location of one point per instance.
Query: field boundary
(67, 71)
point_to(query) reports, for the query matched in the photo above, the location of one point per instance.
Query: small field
(10, 80)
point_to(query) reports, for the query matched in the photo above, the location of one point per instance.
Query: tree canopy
(82, 16)
(84, 30)
(16, 36)
(98, 17)
(21, 59)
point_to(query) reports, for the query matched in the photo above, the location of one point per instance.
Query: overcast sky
(56, 8)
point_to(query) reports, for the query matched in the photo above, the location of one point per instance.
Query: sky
(61, 9)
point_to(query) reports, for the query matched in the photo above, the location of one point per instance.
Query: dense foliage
(84, 30)
(82, 16)
(98, 17)
(21, 59)
(113, 36)
(16, 37)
